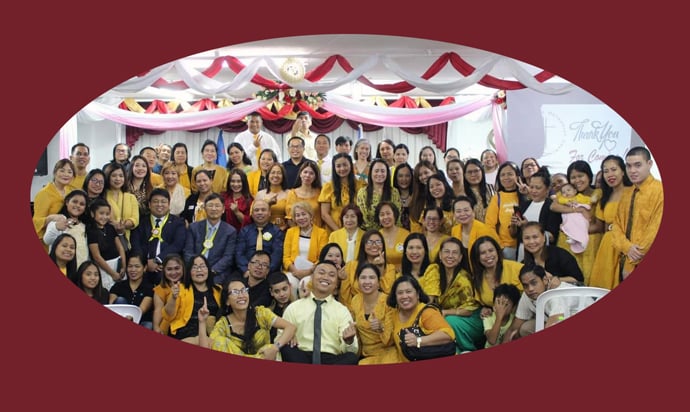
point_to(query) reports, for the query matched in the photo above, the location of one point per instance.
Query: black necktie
(628, 229)
(158, 222)
(316, 354)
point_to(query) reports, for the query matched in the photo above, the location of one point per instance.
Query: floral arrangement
(267, 236)
(290, 96)
(500, 99)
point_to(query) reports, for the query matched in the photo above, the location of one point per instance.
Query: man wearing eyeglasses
(257, 273)
(213, 238)
(159, 234)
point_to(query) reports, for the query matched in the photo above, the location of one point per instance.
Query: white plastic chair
(585, 295)
(126, 310)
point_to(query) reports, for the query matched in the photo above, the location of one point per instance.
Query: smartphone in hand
(516, 210)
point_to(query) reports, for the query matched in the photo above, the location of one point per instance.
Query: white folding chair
(578, 298)
(126, 310)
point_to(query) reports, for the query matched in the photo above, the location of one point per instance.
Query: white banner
(588, 132)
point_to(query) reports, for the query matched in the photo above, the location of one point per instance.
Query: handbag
(414, 353)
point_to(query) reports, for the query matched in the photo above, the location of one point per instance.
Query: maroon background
(59, 349)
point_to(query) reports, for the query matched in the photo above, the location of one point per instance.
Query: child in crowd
(104, 244)
(575, 225)
(506, 298)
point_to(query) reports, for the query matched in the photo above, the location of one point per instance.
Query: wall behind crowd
(468, 135)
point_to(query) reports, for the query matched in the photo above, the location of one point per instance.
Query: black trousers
(295, 355)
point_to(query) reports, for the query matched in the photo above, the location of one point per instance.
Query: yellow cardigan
(478, 230)
(319, 238)
(340, 237)
(183, 308)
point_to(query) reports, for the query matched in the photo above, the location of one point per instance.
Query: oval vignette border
(595, 353)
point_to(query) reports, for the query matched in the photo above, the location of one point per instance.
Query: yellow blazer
(319, 238)
(340, 237)
(478, 230)
(183, 308)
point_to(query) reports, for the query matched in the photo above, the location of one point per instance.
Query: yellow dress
(224, 340)
(605, 268)
(376, 348)
(293, 197)
(585, 259)
(327, 196)
(394, 252)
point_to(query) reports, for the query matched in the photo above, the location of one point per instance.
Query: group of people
(325, 258)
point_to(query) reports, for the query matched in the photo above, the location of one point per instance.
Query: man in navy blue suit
(213, 238)
(158, 234)
(271, 241)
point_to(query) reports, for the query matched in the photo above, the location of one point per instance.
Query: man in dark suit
(158, 234)
(213, 238)
(272, 239)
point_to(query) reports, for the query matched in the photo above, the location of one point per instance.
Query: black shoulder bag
(414, 353)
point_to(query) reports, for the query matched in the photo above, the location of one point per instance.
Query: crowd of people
(325, 257)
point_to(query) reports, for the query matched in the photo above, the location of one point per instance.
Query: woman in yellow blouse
(416, 257)
(580, 175)
(490, 270)
(371, 250)
(238, 159)
(500, 210)
(432, 219)
(243, 329)
(338, 192)
(386, 216)
(408, 298)
(219, 175)
(275, 195)
(467, 228)
(605, 269)
(304, 240)
(124, 208)
(378, 190)
(374, 319)
(348, 237)
(50, 199)
(448, 282)
(258, 179)
(307, 189)
(440, 194)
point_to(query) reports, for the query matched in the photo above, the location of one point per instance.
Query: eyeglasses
(431, 219)
(97, 182)
(374, 243)
(199, 267)
(237, 292)
(259, 264)
(450, 252)
(473, 172)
